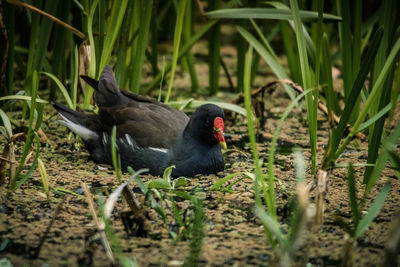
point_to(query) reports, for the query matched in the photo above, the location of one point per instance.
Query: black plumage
(150, 134)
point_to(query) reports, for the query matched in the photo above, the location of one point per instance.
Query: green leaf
(159, 184)
(45, 178)
(135, 176)
(267, 13)
(177, 214)
(181, 181)
(184, 195)
(373, 211)
(220, 182)
(6, 123)
(167, 173)
(4, 132)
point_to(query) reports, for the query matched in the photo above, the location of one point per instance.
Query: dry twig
(99, 223)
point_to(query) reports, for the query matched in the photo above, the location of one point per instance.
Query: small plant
(360, 224)
(32, 140)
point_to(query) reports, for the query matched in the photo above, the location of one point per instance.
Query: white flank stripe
(163, 150)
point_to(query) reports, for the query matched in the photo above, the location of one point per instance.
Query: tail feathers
(75, 121)
(92, 82)
(108, 93)
(70, 114)
(107, 82)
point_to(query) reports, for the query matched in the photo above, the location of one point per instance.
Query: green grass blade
(92, 65)
(143, 36)
(267, 13)
(139, 182)
(308, 40)
(366, 66)
(177, 41)
(43, 37)
(9, 19)
(22, 178)
(188, 25)
(250, 128)
(113, 27)
(343, 7)
(388, 21)
(115, 158)
(376, 117)
(318, 45)
(290, 51)
(275, 66)
(214, 45)
(62, 88)
(241, 48)
(23, 97)
(30, 134)
(197, 233)
(372, 98)
(311, 100)
(332, 102)
(185, 48)
(357, 21)
(74, 88)
(272, 225)
(351, 182)
(373, 211)
(389, 143)
(45, 178)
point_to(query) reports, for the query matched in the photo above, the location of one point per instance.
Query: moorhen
(150, 134)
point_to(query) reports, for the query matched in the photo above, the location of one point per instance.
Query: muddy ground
(233, 234)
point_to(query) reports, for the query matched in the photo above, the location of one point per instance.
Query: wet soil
(233, 234)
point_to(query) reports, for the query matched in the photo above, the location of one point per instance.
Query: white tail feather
(80, 130)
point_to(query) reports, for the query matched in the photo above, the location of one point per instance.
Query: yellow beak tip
(223, 145)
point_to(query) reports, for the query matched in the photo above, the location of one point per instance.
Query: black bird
(150, 134)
